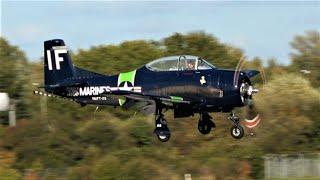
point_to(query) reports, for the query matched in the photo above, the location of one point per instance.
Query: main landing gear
(236, 130)
(162, 131)
(205, 123)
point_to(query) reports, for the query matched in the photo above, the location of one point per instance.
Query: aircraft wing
(146, 104)
(135, 94)
(164, 99)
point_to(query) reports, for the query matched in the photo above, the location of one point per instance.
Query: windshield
(164, 64)
(203, 65)
(179, 63)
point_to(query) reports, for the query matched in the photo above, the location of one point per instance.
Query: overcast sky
(261, 29)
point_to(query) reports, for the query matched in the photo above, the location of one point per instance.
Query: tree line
(71, 142)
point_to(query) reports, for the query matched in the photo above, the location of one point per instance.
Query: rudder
(57, 62)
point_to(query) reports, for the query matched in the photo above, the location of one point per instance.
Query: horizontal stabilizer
(68, 83)
(79, 72)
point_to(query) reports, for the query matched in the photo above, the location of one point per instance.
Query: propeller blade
(247, 90)
(253, 117)
(240, 65)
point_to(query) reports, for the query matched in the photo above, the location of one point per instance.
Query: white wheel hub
(162, 137)
(236, 132)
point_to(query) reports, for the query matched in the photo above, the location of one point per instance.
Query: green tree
(12, 62)
(112, 59)
(13, 73)
(112, 144)
(205, 46)
(288, 106)
(306, 55)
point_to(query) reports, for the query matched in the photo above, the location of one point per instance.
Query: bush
(108, 167)
(100, 133)
(141, 131)
(9, 174)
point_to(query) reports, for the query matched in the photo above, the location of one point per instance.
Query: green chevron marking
(123, 77)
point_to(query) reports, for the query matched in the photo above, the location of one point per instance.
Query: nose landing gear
(236, 130)
(205, 124)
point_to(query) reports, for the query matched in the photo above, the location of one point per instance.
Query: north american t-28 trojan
(187, 84)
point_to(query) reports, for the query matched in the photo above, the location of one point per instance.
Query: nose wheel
(236, 130)
(205, 124)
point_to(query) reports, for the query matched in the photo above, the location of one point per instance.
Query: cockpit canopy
(179, 63)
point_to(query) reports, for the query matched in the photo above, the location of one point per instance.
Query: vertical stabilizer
(57, 62)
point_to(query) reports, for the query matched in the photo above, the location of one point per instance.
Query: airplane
(184, 83)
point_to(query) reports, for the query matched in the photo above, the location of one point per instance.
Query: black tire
(162, 131)
(163, 137)
(205, 127)
(237, 132)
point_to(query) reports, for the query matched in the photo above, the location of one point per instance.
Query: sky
(261, 29)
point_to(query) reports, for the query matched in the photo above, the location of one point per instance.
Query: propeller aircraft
(186, 84)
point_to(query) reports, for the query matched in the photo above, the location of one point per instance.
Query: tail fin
(57, 62)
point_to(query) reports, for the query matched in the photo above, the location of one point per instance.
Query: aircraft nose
(252, 90)
(246, 91)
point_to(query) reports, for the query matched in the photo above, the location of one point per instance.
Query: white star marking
(126, 87)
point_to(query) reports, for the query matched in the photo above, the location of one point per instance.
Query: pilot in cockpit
(190, 65)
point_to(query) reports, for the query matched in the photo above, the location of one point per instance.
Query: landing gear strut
(236, 130)
(162, 131)
(205, 123)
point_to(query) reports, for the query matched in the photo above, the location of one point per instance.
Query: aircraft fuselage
(209, 90)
